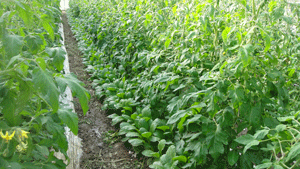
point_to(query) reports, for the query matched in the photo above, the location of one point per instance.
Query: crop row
(211, 84)
(32, 81)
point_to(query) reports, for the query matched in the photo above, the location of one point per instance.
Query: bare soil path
(101, 146)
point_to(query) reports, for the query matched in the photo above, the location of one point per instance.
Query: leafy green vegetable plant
(197, 84)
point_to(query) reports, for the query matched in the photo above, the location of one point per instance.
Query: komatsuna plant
(197, 84)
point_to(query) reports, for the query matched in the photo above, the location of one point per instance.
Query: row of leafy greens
(32, 80)
(197, 83)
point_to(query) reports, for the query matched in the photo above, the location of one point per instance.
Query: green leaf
(69, 118)
(164, 128)
(127, 126)
(25, 13)
(132, 134)
(171, 151)
(249, 145)
(180, 158)
(34, 43)
(116, 118)
(135, 142)
(218, 138)
(148, 153)
(225, 34)
(48, 28)
(175, 117)
(43, 150)
(58, 55)
(265, 165)
(233, 156)
(41, 62)
(161, 145)
(167, 43)
(13, 45)
(77, 89)
(147, 135)
(146, 112)
(245, 139)
(295, 150)
(255, 116)
(280, 127)
(44, 83)
(157, 165)
(9, 109)
(286, 118)
(276, 166)
(260, 134)
(170, 154)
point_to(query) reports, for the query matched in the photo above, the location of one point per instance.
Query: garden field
(197, 84)
(186, 83)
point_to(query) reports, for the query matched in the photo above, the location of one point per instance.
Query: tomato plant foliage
(210, 84)
(32, 81)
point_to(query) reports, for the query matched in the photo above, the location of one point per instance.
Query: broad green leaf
(260, 134)
(44, 84)
(135, 142)
(132, 134)
(147, 134)
(57, 131)
(143, 124)
(276, 166)
(280, 127)
(48, 28)
(225, 34)
(249, 145)
(244, 139)
(77, 89)
(127, 126)
(43, 150)
(170, 154)
(171, 151)
(265, 165)
(255, 116)
(146, 112)
(180, 158)
(9, 109)
(58, 55)
(41, 62)
(180, 124)
(295, 151)
(148, 153)
(286, 118)
(13, 60)
(167, 43)
(34, 43)
(175, 117)
(25, 14)
(291, 72)
(13, 45)
(233, 157)
(157, 165)
(69, 118)
(161, 145)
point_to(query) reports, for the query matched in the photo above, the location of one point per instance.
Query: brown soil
(101, 146)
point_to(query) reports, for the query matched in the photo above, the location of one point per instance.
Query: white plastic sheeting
(74, 142)
(64, 5)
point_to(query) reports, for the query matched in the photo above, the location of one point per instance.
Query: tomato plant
(197, 84)
(32, 117)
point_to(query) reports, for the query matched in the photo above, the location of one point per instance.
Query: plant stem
(253, 10)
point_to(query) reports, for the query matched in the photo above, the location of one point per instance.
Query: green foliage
(32, 118)
(197, 84)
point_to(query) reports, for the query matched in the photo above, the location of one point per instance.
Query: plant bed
(197, 84)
